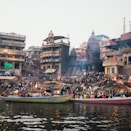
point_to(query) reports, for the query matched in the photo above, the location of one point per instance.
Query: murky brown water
(64, 117)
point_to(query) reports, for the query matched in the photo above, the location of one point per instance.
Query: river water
(64, 117)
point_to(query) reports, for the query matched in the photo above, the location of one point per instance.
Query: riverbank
(93, 84)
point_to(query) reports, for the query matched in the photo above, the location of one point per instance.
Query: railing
(112, 53)
(126, 50)
(50, 53)
(112, 63)
(12, 34)
(12, 43)
(51, 60)
(11, 59)
(119, 52)
(11, 51)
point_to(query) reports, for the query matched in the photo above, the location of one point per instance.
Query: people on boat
(103, 96)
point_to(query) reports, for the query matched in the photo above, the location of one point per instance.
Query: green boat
(38, 99)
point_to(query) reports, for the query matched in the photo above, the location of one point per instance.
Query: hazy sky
(35, 18)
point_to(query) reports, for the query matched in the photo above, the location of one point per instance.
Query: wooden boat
(114, 100)
(38, 99)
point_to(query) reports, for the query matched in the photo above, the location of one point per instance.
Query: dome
(93, 43)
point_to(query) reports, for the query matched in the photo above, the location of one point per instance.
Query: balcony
(50, 60)
(12, 52)
(11, 59)
(49, 53)
(127, 67)
(112, 63)
(112, 53)
(119, 52)
(126, 50)
(12, 43)
(12, 36)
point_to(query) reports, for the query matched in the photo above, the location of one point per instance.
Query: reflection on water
(64, 117)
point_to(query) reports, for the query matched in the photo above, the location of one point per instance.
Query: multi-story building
(103, 42)
(118, 59)
(12, 55)
(33, 55)
(32, 63)
(55, 54)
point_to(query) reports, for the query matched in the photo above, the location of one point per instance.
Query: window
(17, 56)
(16, 65)
(44, 68)
(108, 71)
(113, 70)
(129, 60)
(56, 67)
(2, 55)
(36, 53)
(125, 60)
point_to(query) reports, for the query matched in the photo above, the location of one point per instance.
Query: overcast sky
(76, 18)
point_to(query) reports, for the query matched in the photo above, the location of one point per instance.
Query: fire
(114, 78)
(15, 92)
(121, 82)
(129, 79)
(36, 85)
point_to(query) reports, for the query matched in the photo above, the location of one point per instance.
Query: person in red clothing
(103, 96)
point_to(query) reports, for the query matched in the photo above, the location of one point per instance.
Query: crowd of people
(99, 85)
(89, 85)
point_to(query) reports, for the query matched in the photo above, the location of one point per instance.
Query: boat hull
(40, 99)
(119, 100)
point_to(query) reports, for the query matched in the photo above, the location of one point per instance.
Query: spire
(51, 34)
(129, 26)
(124, 27)
(93, 32)
(73, 52)
(50, 37)
(68, 38)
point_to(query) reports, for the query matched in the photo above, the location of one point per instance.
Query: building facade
(12, 55)
(55, 54)
(103, 41)
(33, 55)
(118, 59)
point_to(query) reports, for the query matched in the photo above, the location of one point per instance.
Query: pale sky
(76, 18)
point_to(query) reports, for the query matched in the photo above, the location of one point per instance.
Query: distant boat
(114, 100)
(38, 99)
